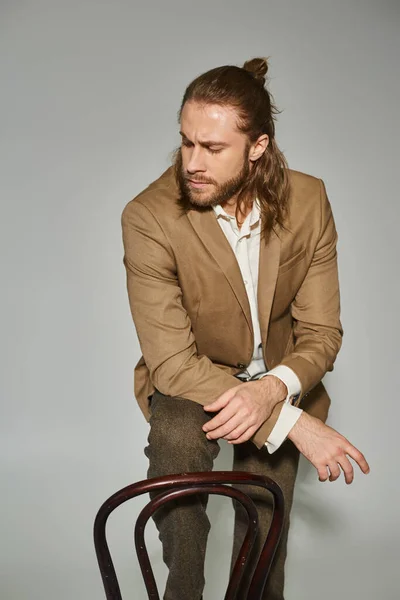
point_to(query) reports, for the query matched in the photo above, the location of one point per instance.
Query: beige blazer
(190, 307)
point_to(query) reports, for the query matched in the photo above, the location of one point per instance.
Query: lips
(197, 184)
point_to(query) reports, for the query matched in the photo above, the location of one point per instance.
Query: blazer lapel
(207, 228)
(267, 277)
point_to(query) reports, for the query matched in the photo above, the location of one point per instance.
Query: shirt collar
(254, 214)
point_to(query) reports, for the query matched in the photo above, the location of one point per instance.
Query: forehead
(209, 121)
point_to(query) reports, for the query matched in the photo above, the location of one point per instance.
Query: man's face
(214, 154)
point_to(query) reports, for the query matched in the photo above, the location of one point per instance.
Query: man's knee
(177, 442)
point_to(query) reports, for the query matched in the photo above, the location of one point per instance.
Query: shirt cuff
(287, 419)
(289, 378)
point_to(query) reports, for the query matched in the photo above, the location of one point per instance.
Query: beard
(191, 197)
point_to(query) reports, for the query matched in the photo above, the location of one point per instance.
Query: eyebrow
(207, 143)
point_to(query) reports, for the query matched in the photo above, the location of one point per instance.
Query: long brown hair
(243, 88)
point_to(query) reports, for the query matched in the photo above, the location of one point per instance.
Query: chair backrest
(172, 487)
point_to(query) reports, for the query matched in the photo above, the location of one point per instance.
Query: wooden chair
(172, 487)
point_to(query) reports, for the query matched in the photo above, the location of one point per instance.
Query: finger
(323, 473)
(221, 418)
(245, 436)
(358, 457)
(347, 469)
(225, 429)
(236, 433)
(334, 471)
(222, 401)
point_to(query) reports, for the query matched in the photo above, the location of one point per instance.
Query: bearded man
(233, 287)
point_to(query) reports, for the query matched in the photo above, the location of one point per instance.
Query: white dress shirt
(245, 243)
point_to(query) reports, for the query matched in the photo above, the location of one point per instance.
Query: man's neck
(230, 208)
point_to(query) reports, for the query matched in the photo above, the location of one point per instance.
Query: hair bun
(258, 67)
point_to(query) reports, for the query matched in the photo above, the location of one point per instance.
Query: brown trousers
(177, 444)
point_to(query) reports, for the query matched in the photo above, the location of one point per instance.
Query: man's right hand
(326, 449)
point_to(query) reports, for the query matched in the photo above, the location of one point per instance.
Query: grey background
(89, 95)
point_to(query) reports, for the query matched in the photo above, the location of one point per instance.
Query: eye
(214, 151)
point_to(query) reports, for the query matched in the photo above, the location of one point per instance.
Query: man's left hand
(243, 409)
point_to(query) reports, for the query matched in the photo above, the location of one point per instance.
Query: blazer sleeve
(316, 308)
(162, 324)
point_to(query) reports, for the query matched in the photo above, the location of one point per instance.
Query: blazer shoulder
(305, 190)
(303, 181)
(159, 197)
(307, 196)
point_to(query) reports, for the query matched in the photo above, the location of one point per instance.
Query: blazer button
(241, 366)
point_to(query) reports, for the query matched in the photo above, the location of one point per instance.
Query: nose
(196, 161)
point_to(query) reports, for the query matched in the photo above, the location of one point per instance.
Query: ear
(258, 148)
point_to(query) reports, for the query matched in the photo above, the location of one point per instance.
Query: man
(233, 287)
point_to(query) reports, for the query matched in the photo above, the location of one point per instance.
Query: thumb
(221, 401)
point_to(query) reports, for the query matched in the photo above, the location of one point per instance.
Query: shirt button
(245, 282)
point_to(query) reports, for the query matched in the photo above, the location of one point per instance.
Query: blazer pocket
(293, 260)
